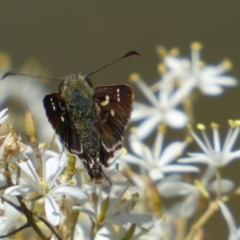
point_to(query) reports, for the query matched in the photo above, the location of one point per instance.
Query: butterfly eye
(60, 88)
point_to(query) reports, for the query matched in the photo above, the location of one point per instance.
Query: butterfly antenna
(12, 73)
(128, 54)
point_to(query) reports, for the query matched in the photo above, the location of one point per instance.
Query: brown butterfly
(91, 122)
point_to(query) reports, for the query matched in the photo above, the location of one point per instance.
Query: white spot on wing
(112, 112)
(62, 118)
(106, 102)
(118, 95)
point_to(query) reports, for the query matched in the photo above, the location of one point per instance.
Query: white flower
(215, 155)
(234, 232)
(11, 218)
(32, 92)
(157, 161)
(153, 230)
(3, 118)
(173, 186)
(112, 210)
(163, 109)
(47, 186)
(209, 79)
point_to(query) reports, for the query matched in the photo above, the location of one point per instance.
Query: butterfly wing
(59, 117)
(113, 107)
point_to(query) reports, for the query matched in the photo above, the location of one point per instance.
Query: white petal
(129, 218)
(29, 169)
(216, 140)
(52, 210)
(135, 160)
(158, 145)
(2, 120)
(232, 138)
(172, 62)
(176, 119)
(179, 168)
(50, 153)
(208, 174)
(145, 153)
(70, 191)
(3, 180)
(173, 189)
(231, 157)
(85, 210)
(213, 71)
(181, 93)
(187, 207)
(224, 81)
(196, 158)
(142, 112)
(136, 144)
(211, 90)
(171, 152)
(156, 174)
(147, 92)
(199, 142)
(229, 220)
(3, 112)
(20, 190)
(11, 218)
(225, 185)
(52, 166)
(148, 125)
(178, 67)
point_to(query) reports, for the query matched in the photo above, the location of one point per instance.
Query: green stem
(218, 180)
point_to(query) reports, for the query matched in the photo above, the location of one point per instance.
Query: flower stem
(218, 180)
(213, 207)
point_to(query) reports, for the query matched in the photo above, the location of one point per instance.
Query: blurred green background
(81, 36)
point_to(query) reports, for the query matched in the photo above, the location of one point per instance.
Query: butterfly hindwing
(113, 107)
(59, 117)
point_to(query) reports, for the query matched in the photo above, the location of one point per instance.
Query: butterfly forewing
(58, 116)
(113, 111)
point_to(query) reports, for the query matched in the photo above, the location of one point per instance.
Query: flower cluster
(159, 185)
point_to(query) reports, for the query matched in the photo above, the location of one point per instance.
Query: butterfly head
(75, 82)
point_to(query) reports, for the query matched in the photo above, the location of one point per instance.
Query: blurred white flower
(189, 194)
(153, 230)
(234, 232)
(173, 186)
(157, 161)
(215, 155)
(3, 118)
(163, 108)
(211, 80)
(47, 186)
(11, 218)
(112, 210)
(18, 91)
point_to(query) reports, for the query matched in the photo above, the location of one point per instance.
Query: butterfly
(91, 122)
